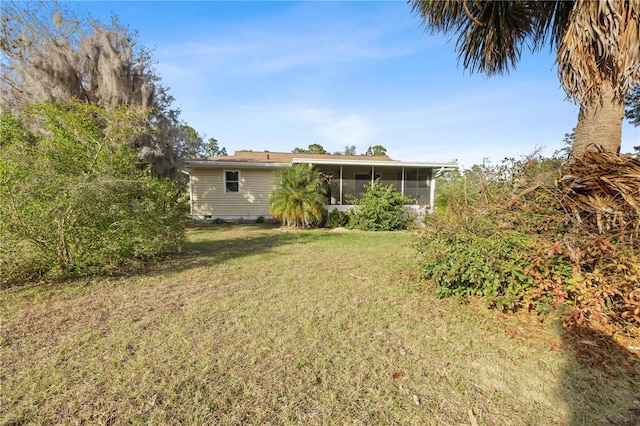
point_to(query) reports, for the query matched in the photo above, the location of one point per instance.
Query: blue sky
(279, 75)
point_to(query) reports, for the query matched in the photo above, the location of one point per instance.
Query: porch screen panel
(389, 177)
(417, 185)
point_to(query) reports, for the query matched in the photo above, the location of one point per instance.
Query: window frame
(225, 181)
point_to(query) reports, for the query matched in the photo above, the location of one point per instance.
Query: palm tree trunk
(600, 125)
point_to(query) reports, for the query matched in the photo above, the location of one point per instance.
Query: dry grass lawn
(256, 325)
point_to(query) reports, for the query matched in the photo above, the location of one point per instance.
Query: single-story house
(238, 186)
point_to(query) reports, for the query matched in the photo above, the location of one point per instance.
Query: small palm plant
(300, 197)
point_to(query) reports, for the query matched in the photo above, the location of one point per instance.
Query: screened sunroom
(347, 180)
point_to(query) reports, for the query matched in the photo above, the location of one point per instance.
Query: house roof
(278, 159)
(288, 157)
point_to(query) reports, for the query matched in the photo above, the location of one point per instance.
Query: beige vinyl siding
(209, 198)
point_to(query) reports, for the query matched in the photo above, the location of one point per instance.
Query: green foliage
(300, 196)
(189, 144)
(569, 139)
(501, 232)
(490, 233)
(632, 107)
(212, 149)
(377, 150)
(52, 54)
(73, 199)
(504, 188)
(338, 218)
(476, 258)
(350, 150)
(380, 209)
(313, 148)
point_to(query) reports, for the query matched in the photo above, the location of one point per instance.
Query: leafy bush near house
(338, 218)
(73, 199)
(380, 209)
(299, 198)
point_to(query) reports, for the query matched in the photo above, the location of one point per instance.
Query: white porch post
(373, 174)
(340, 184)
(402, 183)
(432, 196)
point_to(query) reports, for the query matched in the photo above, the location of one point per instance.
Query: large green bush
(493, 233)
(476, 257)
(380, 209)
(73, 199)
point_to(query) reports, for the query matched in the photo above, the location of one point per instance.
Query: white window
(232, 181)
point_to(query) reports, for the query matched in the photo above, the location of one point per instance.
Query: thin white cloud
(335, 128)
(275, 46)
(350, 130)
(273, 53)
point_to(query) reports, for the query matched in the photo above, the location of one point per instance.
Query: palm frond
(439, 16)
(601, 43)
(552, 17)
(299, 197)
(491, 34)
(496, 46)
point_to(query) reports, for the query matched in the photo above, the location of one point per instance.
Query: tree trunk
(600, 125)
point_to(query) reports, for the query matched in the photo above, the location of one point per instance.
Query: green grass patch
(257, 325)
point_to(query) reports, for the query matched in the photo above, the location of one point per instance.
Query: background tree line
(315, 148)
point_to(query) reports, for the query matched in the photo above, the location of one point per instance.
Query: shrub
(319, 221)
(380, 209)
(503, 233)
(491, 232)
(605, 295)
(338, 218)
(476, 258)
(73, 199)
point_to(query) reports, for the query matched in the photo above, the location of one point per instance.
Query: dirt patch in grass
(252, 325)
